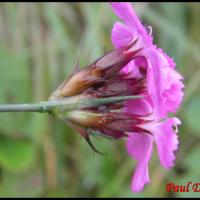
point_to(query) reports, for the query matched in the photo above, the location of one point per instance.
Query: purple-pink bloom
(136, 69)
(164, 94)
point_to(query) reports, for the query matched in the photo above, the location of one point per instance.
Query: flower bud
(114, 124)
(101, 80)
(102, 69)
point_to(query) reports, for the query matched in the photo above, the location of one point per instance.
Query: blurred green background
(40, 44)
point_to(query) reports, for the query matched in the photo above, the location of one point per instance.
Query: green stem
(35, 107)
(68, 103)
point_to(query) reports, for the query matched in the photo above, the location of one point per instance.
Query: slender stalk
(35, 107)
(68, 103)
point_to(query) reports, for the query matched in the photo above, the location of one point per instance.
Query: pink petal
(126, 12)
(139, 107)
(165, 79)
(121, 35)
(172, 94)
(132, 69)
(170, 60)
(139, 146)
(166, 141)
(154, 77)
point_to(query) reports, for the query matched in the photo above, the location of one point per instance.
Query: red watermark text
(188, 187)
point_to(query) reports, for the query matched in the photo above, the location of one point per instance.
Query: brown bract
(104, 78)
(103, 69)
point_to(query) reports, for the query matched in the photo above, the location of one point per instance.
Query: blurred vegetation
(40, 44)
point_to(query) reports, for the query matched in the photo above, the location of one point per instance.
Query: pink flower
(136, 69)
(164, 94)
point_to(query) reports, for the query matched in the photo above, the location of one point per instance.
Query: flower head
(163, 95)
(129, 93)
(103, 79)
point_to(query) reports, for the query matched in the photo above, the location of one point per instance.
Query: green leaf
(16, 155)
